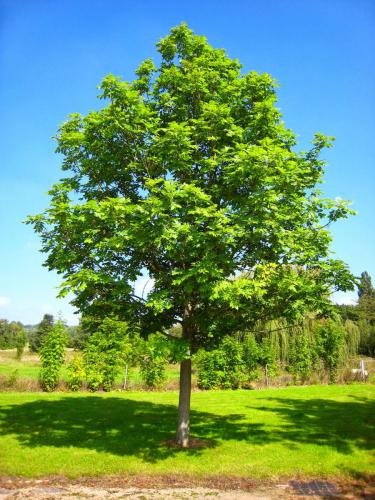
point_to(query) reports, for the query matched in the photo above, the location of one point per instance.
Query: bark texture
(183, 428)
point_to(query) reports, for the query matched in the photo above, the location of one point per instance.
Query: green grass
(28, 367)
(313, 431)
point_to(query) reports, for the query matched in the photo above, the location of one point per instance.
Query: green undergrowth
(28, 370)
(313, 431)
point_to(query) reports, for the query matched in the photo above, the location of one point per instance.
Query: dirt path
(172, 488)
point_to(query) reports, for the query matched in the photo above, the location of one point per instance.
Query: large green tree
(189, 173)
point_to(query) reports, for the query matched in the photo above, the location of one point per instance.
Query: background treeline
(319, 346)
(12, 336)
(362, 315)
(312, 350)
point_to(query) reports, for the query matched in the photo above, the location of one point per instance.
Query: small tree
(104, 354)
(251, 355)
(330, 339)
(189, 172)
(37, 335)
(20, 341)
(301, 355)
(76, 371)
(52, 352)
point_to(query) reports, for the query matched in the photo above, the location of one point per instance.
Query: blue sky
(53, 54)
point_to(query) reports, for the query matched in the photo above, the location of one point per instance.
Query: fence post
(125, 376)
(363, 371)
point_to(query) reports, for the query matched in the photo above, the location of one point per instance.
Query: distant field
(28, 369)
(310, 431)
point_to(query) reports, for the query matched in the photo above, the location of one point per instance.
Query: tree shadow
(342, 425)
(115, 425)
(122, 426)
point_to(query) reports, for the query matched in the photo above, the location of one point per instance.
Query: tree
(36, 337)
(12, 335)
(189, 173)
(365, 287)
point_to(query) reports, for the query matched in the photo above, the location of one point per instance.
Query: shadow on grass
(342, 425)
(122, 426)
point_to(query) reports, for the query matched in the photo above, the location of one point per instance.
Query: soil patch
(171, 487)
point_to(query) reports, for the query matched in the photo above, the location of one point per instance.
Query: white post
(125, 376)
(363, 371)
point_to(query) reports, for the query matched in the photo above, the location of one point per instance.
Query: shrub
(330, 339)
(211, 369)
(300, 355)
(20, 341)
(152, 359)
(52, 352)
(268, 356)
(76, 372)
(104, 354)
(251, 354)
(223, 367)
(12, 378)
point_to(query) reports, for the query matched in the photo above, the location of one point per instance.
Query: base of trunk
(192, 443)
(183, 428)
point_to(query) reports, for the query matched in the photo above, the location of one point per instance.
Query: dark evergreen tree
(42, 329)
(365, 286)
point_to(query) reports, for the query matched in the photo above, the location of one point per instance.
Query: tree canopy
(189, 173)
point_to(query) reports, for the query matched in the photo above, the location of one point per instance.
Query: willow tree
(189, 174)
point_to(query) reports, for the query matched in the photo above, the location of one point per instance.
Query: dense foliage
(313, 345)
(12, 335)
(52, 355)
(363, 314)
(37, 334)
(190, 173)
(105, 354)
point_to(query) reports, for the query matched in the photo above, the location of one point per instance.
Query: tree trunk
(183, 429)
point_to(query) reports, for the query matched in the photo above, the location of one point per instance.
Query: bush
(153, 355)
(52, 353)
(251, 355)
(300, 356)
(211, 369)
(268, 356)
(20, 341)
(76, 372)
(330, 341)
(105, 353)
(223, 367)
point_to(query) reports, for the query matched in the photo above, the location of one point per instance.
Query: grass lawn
(313, 431)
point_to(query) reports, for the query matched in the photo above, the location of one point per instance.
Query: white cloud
(4, 301)
(344, 298)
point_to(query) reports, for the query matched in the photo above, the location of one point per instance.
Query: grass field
(320, 431)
